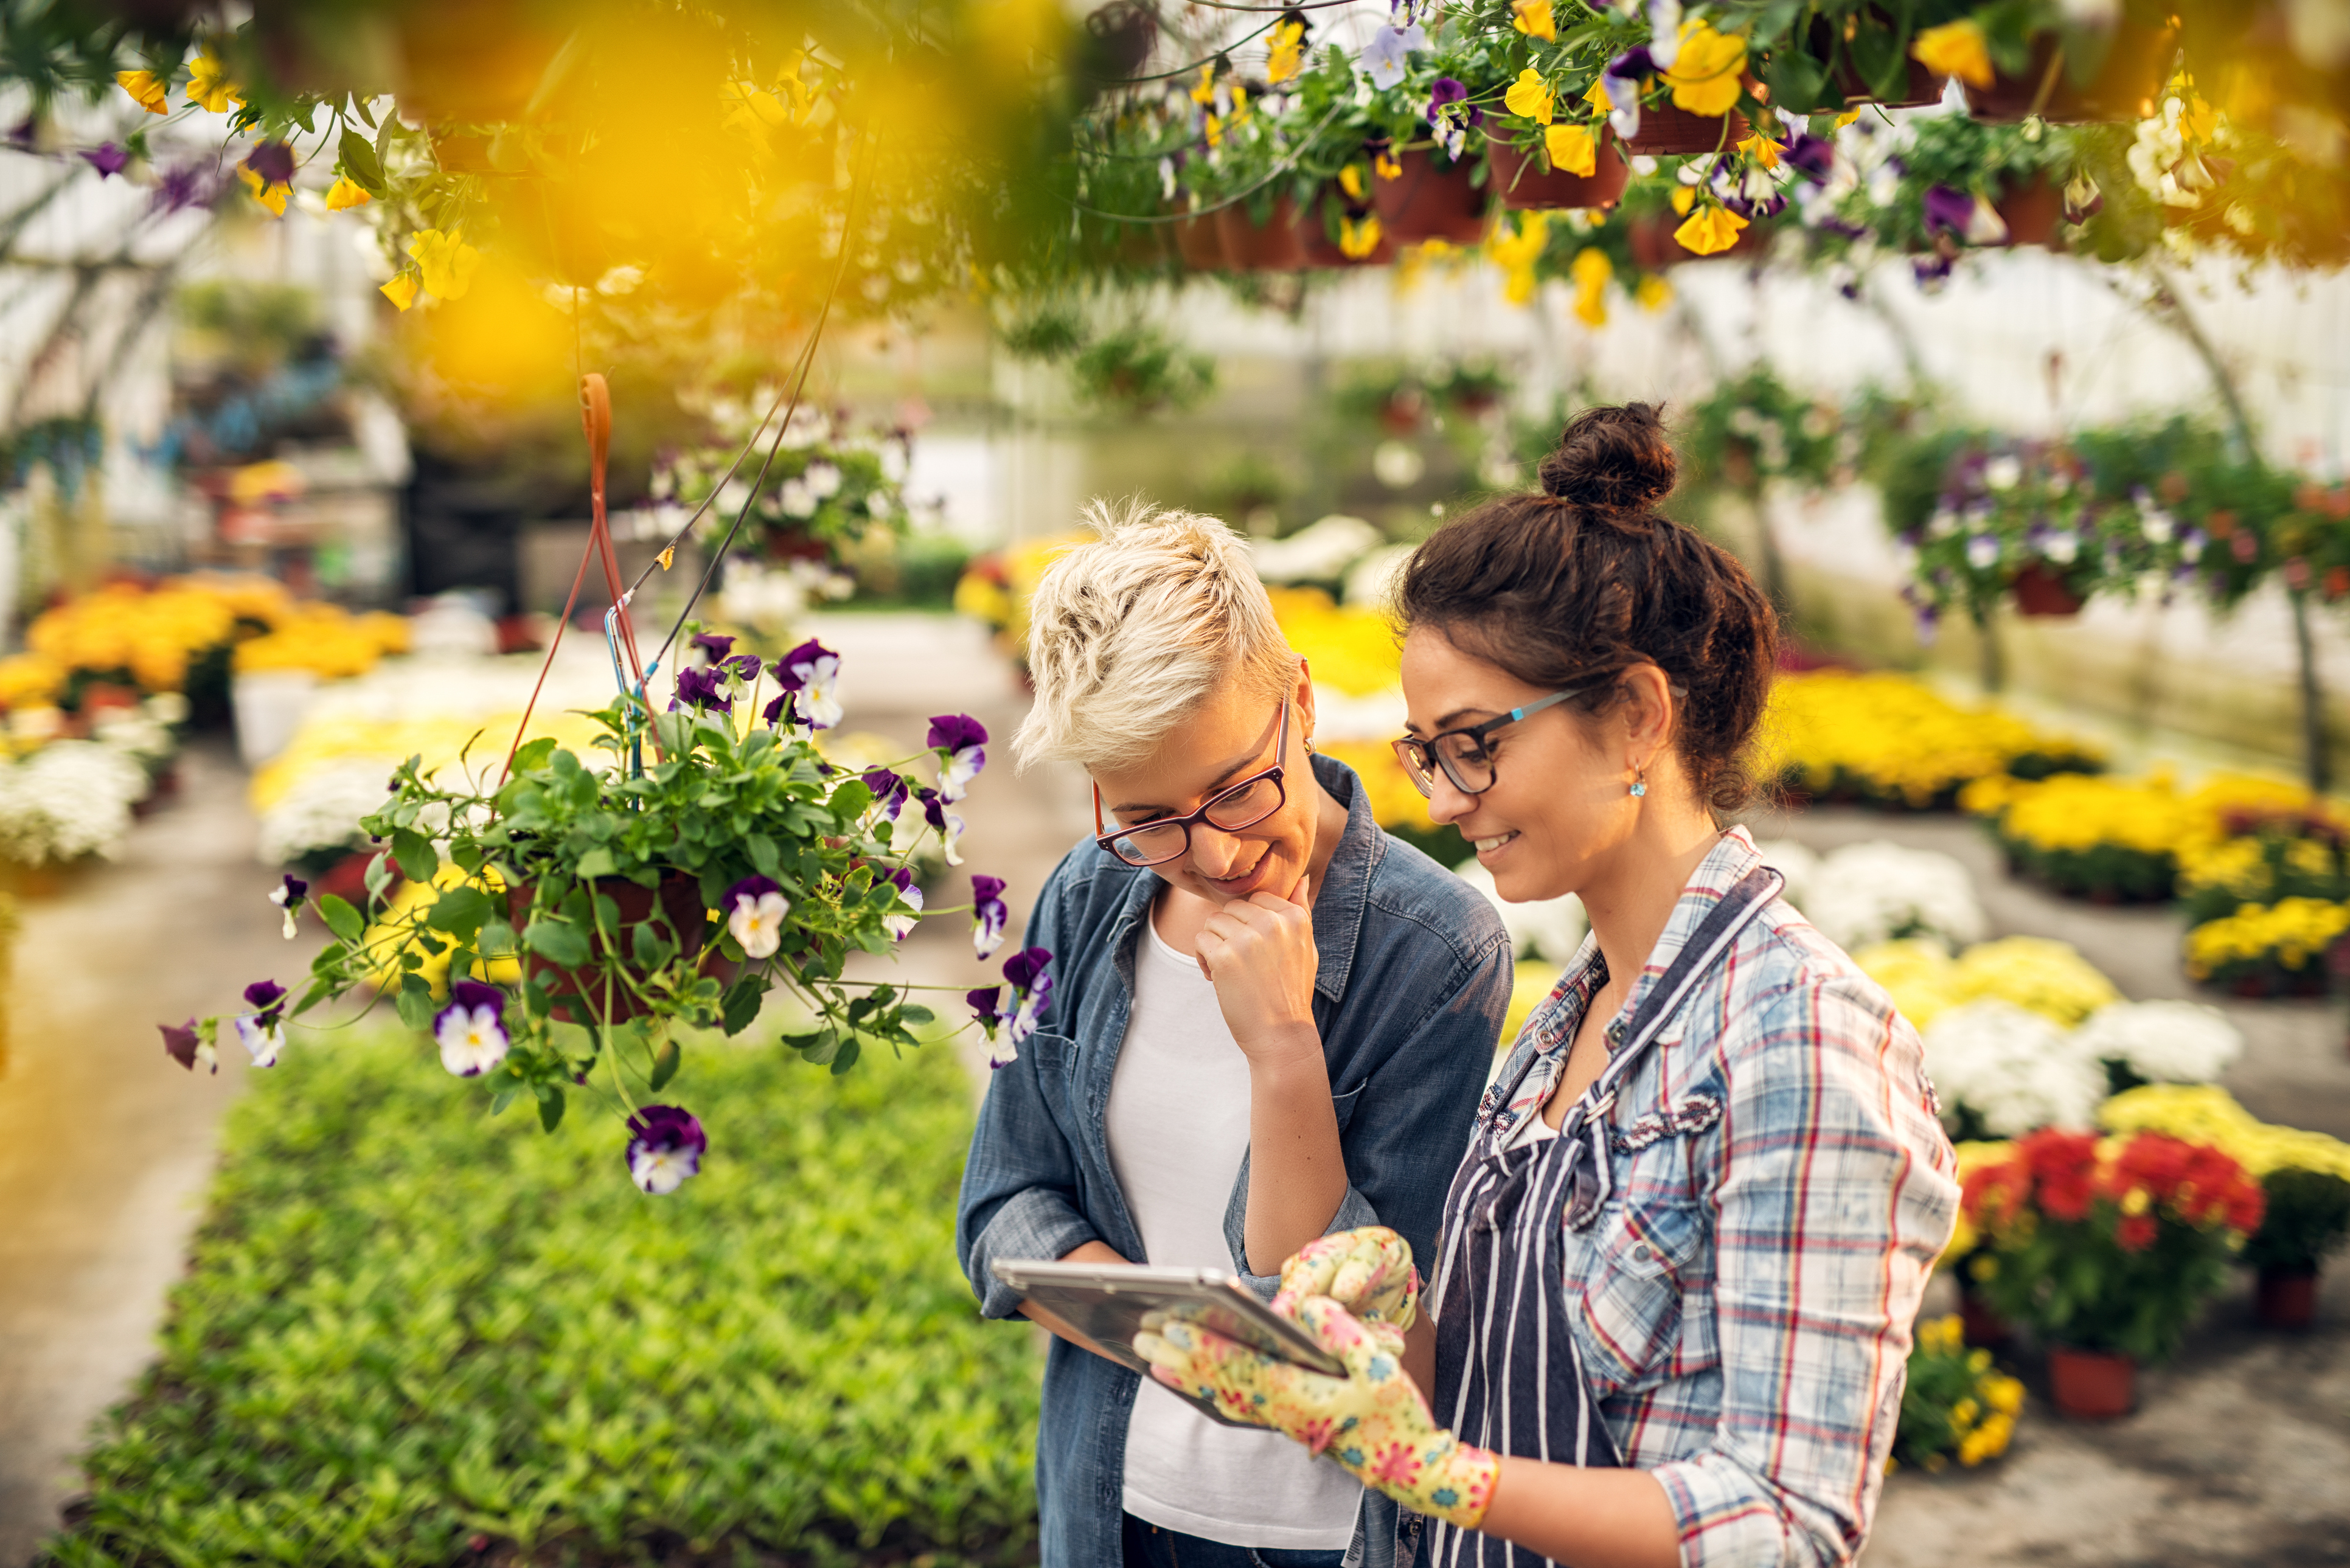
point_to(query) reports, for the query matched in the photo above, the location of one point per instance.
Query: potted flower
(2107, 1250)
(2308, 1216)
(828, 486)
(567, 921)
(1955, 1406)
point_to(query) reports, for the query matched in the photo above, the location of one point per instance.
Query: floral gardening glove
(1367, 1270)
(1373, 1421)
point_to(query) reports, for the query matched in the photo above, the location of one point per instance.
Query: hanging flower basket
(2034, 213)
(1524, 182)
(1667, 132)
(1199, 240)
(1429, 200)
(591, 994)
(2039, 591)
(2285, 1298)
(1654, 248)
(2124, 87)
(2092, 1385)
(1272, 246)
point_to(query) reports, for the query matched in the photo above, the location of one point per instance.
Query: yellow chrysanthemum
(1955, 50)
(1705, 75)
(2206, 1112)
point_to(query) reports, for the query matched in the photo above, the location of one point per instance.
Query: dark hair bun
(1612, 459)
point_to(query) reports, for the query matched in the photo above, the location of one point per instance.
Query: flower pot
(1199, 240)
(2285, 1298)
(1428, 201)
(679, 899)
(1668, 132)
(2034, 213)
(1654, 248)
(1274, 247)
(2123, 88)
(1523, 181)
(2091, 1384)
(2040, 591)
(1321, 249)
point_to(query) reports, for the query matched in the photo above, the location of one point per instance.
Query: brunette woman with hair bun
(1677, 1269)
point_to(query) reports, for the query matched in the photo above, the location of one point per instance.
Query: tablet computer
(1111, 1304)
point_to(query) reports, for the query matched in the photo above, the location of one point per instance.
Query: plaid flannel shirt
(1782, 1189)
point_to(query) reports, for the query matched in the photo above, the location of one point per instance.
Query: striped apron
(1509, 1371)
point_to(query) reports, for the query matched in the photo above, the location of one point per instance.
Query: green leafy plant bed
(415, 1334)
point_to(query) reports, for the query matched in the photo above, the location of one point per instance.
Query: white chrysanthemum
(322, 810)
(1547, 928)
(1868, 893)
(69, 800)
(2162, 1042)
(1796, 863)
(2011, 1067)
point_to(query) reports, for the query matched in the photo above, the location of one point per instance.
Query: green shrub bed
(411, 1337)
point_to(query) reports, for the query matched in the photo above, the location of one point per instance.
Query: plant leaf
(557, 941)
(666, 1062)
(414, 852)
(340, 918)
(550, 1106)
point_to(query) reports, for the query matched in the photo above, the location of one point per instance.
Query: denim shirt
(1409, 997)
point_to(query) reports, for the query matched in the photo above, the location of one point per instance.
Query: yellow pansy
(1215, 131)
(1285, 52)
(402, 290)
(1705, 76)
(1711, 231)
(1205, 90)
(1765, 151)
(1846, 118)
(1683, 198)
(1358, 237)
(1654, 294)
(1533, 19)
(753, 109)
(447, 261)
(150, 91)
(209, 87)
(1591, 270)
(1531, 96)
(1350, 181)
(1517, 254)
(344, 193)
(1573, 149)
(270, 195)
(1954, 49)
(1595, 95)
(1387, 166)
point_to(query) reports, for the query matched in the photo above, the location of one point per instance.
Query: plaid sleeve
(1836, 1199)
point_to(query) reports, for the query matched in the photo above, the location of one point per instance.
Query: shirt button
(1643, 1252)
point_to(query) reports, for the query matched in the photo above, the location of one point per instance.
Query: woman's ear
(1302, 693)
(1648, 713)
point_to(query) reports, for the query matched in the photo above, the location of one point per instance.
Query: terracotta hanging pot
(1199, 240)
(1271, 247)
(603, 1000)
(2039, 591)
(2091, 1384)
(1669, 132)
(2034, 212)
(1429, 200)
(1654, 248)
(1322, 251)
(2124, 87)
(2286, 1298)
(1525, 181)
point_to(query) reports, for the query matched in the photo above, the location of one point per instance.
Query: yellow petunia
(1285, 52)
(344, 194)
(1358, 237)
(270, 195)
(1573, 149)
(1533, 18)
(1531, 96)
(1954, 49)
(402, 290)
(150, 91)
(1711, 231)
(1592, 271)
(1705, 76)
(447, 261)
(209, 87)
(1653, 294)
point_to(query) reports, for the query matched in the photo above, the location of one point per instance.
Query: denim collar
(1338, 906)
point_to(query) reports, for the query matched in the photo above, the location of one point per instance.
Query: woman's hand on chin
(1259, 951)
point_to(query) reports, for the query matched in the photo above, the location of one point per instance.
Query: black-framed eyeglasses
(1462, 754)
(1243, 804)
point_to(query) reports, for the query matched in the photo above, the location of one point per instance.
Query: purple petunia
(988, 915)
(701, 689)
(288, 896)
(472, 1031)
(754, 909)
(961, 739)
(665, 1146)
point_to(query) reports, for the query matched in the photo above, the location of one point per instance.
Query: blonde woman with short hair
(1269, 1021)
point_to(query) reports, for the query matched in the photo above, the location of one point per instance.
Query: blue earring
(1640, 785)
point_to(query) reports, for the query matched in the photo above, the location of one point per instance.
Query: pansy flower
(1028, 988)
(108, 159)
(698, 689)
(665, 1146)
(263, 1029)
(986, 1003)
(471, 1031)
(1971, 218)
(949, 825)
(1450, 114)
(988, 915)
(187, 1046)
(810, 675)
(1385, 55)
(889, 790)
(288, 898)
(961, 739)
(901, 925)
(755, 908)
(709, 647)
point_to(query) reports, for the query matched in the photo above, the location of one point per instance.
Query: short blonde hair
(1128, 631)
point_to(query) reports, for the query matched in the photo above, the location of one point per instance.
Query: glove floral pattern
(1367, 1270)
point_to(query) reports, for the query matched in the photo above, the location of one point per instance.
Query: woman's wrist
(1286, 1056)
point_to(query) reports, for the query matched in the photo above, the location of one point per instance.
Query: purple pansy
(1970, 218)
(472, 1031)
(963, 740)
(1029, 989)
(288, 896)
(665, 1146)
(988, 915)
(187, 1046)
(746, 665)
(900, 925)
(273, 161)
(810, 674)
(712, 646)
(1385, 58)
(1450, 114)
(1814, 155)
(754, 909)
(890, 791)
(984, 1000)
(701, 689)
(108, 159)
(189, 185)
(949, 825)
(262, 1030)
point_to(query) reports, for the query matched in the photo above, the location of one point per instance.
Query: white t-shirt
(1178, 1122)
